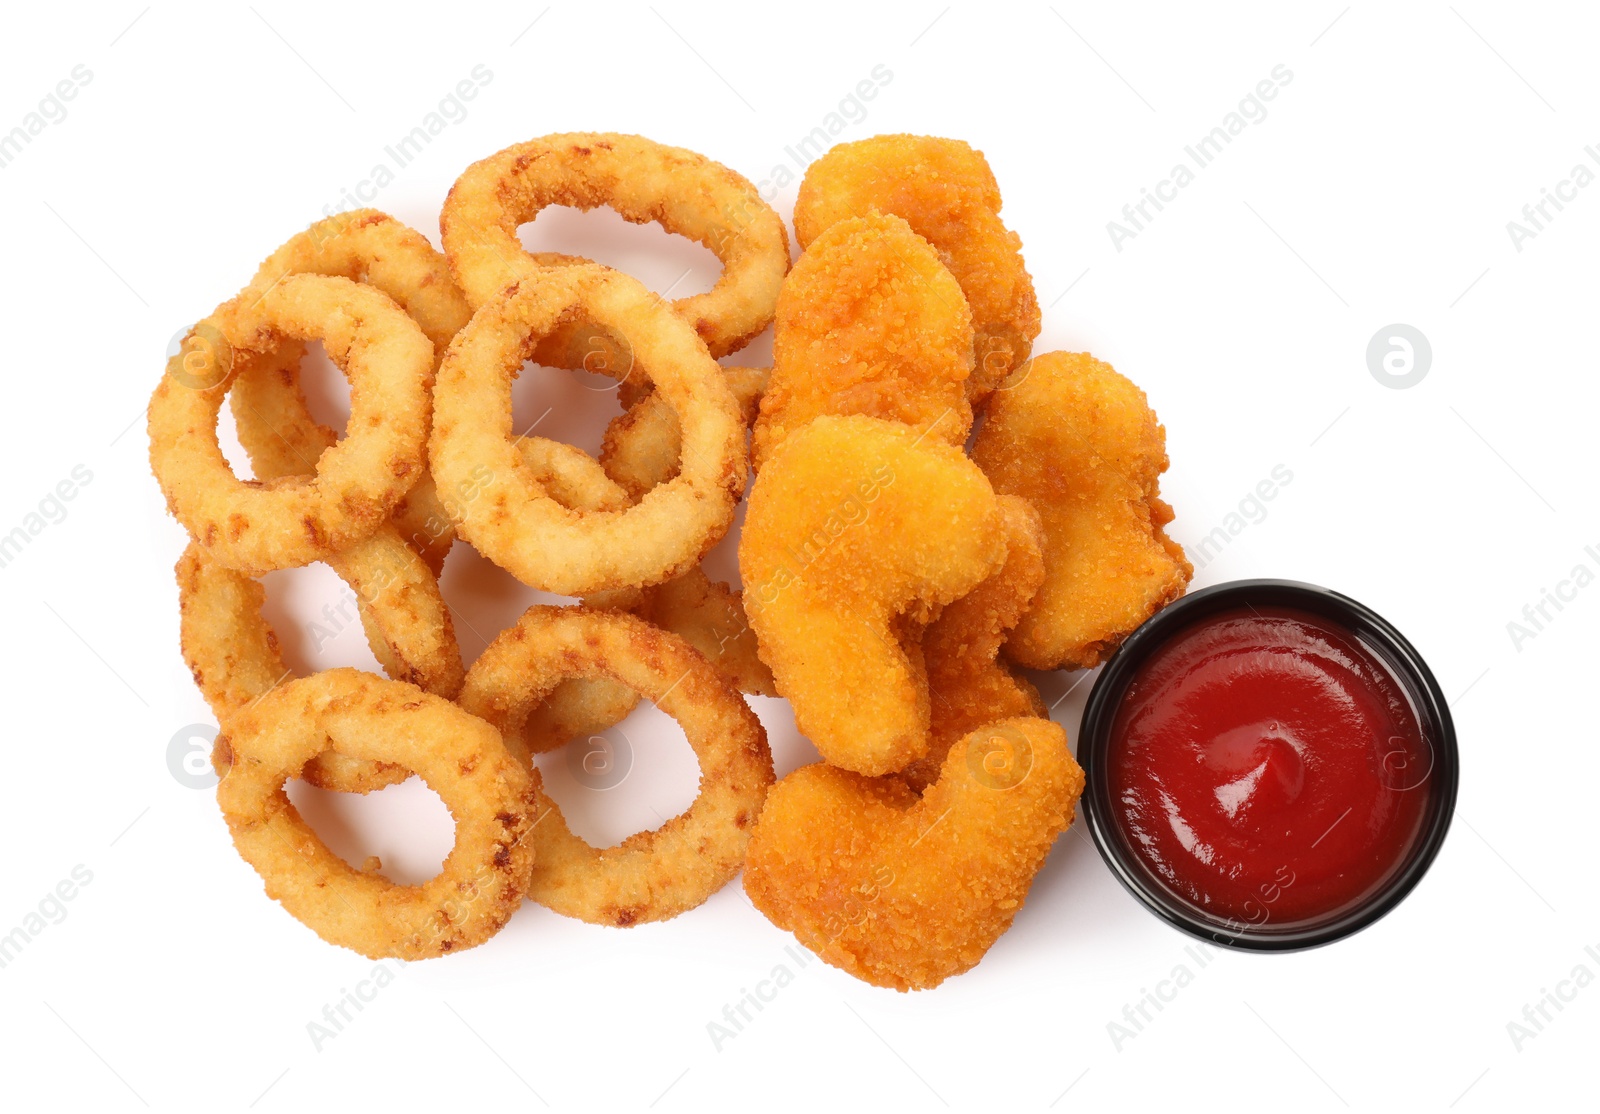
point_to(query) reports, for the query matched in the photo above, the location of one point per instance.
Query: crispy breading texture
(275, 425)
(968, 685)
(499, 506)
(709, 616)
(642, 450)
(653, 875)
(706, 614)
(644, 444)
(945, 190)
(643, 181)
(858, 530)
(232, 651)
(1080, 442)
(905, 893)
(869, 322)
(489, 794)
(354, 486)
(582, 706)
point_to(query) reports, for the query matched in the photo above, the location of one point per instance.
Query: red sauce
(1269, 766)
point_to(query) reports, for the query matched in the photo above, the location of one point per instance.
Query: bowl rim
(1100, 714)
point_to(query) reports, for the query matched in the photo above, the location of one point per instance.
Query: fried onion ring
(233, 652)
(650, 876)
(584, 346)
(489, 793)
(276, 426)
(643, 181)
(706, 614)
(582, 706)
(356, 485)
(644, 444)
(512, 519)
(709, 616)
(642, 450)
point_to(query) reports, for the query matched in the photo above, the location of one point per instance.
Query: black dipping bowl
(1433, 716)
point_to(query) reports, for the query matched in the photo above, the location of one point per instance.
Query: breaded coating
(651, 875)
(858, 531)
(709, 616)
(1080, 442)
(644, 444)
(348, 492)
(968, 686)
(904, 893)
(945, 190)
(644, 182)
(869, 322)
(510, 517)
(274, 424)
(491, 798)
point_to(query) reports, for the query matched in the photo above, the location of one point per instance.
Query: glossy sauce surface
(1269, 766)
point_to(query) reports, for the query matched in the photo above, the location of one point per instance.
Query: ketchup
(1269, 766)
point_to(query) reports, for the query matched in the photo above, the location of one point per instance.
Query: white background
(1377, 190)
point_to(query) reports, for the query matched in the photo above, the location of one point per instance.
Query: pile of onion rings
(887, 575)
(430, 342)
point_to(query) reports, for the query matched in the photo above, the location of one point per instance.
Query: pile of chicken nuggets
(899, 568)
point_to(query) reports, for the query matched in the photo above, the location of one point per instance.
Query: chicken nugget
(967, 684)
(858, 531)
(945, 190)
(904, 893)
(869, 322)
(1080, 442)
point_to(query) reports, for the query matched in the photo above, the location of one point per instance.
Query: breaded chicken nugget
(1080, 442)
(858, 530)
(904, 893)
(869, 322)
(945, 190)
(967, 685)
